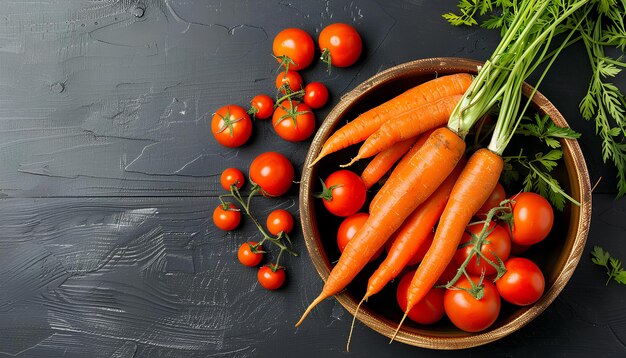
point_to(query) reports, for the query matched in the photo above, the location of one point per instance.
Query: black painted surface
(109, 174)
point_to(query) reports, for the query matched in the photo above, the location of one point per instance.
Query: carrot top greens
(598, 24)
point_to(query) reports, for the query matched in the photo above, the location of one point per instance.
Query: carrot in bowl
(368, 122)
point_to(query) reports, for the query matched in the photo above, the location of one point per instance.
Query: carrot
(428, 116)
(471, 190)
(368, 122)
(384, 160)
(412, 234)
(407, 187)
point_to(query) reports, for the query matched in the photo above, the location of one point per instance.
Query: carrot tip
(319, 299)
(356, 312)
(398, 329)
(354, 160)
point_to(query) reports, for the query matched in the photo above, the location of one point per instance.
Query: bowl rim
(579, 224)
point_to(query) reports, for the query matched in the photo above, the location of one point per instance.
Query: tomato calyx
(227, 123)
(291, 112)
(327, 59)
(284, 61)
(476, 290)
(326, 193)
(288, 95)
(275, 267)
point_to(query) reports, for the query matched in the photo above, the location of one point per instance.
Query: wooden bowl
(557, 256)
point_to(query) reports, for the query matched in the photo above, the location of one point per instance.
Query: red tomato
(295, 44)
(315, 95)
(249, 256)
(262, 106)
(419, 254)
(269, 279)
(278, 221)
(231, 126)
(231, 176)
(448, 274)
(532, 218)
(272, 172)
(342, 43)
(226, 218)
(348, 228)
(522, 284)
(293, 121)
(344, 193)
(497, 195)
(292, 78)
(429, 309)
(497, 243)
(468, 313)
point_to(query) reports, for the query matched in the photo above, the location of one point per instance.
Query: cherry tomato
(279, 220)
(293, 121)
(523, 283)
(262, 106)
(348, 228)
(315, 95)
(532, 218)
(468, 313)
(292, 78)
(421, 251)
(342, 43)
(231, 176)
(269, 279)
(429, 309)
(226, 218)
(497, 195)
(231, 126)
(273, 172)
(248, 256)
(496, 244)
(295, 44)
(344, 193)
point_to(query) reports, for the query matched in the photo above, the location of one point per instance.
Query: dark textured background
(109, 174)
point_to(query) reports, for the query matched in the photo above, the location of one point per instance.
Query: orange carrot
(409, 185)
(367, 123)
(384, 160)
(431, 115)
(471, 190)
(412, 234)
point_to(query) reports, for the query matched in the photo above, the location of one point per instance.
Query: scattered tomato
(468, 313)
(272, 172)
(262, 106)
(269, 279)
(344, 193)
(523, 283)
(341, 45)
(533, 218)
(249, 256)
(226, 217)
(231, 176)
(291, 78)
(315, 95)
(279, 221)
(296, 44)
(293, 121)
(348, 228)
(495, 198)
(231, 126)
(429, 309)
(496, 245)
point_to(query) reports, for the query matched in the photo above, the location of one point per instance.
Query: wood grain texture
(108, 176)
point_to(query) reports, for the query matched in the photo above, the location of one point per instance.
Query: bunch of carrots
(423, 130)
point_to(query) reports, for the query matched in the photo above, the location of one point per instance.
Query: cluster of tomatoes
(271, 174)
(485, 269)
(291, 112)
(493, 271)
